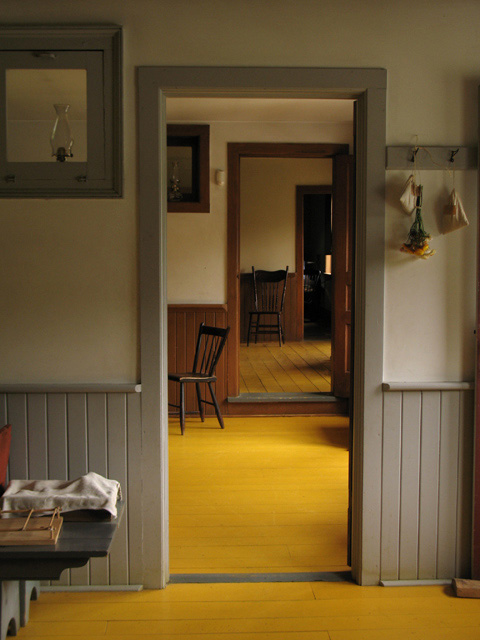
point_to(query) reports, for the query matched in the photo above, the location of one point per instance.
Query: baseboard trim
(94, 587)
(283, 397)
(414, 583)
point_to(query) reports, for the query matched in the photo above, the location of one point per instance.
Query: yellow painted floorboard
(262, 495)
(258, 611)
(285, 483)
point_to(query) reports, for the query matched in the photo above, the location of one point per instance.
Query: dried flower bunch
(418, 239)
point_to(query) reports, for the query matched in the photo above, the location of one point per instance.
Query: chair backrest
(269, 289)
(210, 343)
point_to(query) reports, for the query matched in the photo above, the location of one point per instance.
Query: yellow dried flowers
(418, 239)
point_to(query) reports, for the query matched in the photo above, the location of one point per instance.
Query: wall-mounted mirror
(34, 97)
(60, 112)
(188, 171)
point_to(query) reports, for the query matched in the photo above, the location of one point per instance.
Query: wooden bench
(23, 567)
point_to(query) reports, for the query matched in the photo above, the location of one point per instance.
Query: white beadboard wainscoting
(427, 470)
(426, 490)
(65, 431)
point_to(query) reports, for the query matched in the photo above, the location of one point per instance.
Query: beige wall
(69, 268)
(267, 208)
(197, 250)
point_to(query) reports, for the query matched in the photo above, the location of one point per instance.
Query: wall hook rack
(431, 158)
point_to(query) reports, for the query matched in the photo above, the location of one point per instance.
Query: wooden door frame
(300, 192)
(476, 457)
(236, 151)
(369, 87)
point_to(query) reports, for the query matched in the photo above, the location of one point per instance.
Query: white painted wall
(69, 268)
(268, 207)
(197, 257)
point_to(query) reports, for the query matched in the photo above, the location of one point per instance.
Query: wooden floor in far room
(262, 495)
(296, 367)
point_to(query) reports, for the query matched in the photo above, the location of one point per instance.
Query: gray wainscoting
(427, 481)
(63, 434)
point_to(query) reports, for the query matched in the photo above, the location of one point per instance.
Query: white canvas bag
(454, 214)
(408, 197)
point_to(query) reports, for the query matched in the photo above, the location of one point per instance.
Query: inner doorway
(272, 239)
(326, 523)
(319, 363)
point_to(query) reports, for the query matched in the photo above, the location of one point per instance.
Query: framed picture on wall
(188, 168)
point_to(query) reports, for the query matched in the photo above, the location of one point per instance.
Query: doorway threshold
(307, 576)
(284, 397)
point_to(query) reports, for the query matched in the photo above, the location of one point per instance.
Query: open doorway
(230, 470)
(269, 240)
(263, 201)
(369, 86)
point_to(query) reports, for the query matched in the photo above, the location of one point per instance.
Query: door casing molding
(368, 87)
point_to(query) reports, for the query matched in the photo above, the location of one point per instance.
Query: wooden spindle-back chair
(269, 289)
(210, 343)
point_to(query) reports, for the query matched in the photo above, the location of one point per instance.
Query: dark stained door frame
(343, 273)
(476, 468)
(236, 151)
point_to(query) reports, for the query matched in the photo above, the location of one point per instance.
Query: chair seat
(272, 313)
(191, 377)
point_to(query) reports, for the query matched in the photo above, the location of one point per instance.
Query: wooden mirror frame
(196, 136)
(101, 176)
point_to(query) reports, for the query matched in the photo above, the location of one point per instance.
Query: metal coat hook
(414, 154)
(453, 154)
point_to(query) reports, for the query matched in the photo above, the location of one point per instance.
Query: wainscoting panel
(62, 435)
(290, 320)
(426, 483)
(183, 323)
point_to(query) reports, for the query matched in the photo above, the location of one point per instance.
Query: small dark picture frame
(188, 168)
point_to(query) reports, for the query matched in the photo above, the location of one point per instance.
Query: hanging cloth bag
(409, 194)
(454, 214)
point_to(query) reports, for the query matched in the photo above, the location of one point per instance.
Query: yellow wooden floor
(280, 611)
(296, 367)
(263, 495)
(276, 485)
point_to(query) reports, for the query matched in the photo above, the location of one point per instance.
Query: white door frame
(368, 87)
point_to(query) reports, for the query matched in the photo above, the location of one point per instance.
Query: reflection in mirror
(31, 96)
(180, 165)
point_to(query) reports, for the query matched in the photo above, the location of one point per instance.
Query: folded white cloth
(91, 491)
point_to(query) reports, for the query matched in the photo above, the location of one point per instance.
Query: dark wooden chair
(269, 298)
(210, 343)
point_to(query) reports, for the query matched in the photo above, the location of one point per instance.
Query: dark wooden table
(22, 567)
(78, 542)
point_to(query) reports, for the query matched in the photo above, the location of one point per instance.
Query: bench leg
(29, 590)
(9, 608)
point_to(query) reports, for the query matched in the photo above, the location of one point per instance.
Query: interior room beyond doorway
(281, 199)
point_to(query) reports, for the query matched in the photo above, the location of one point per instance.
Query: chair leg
(257, 320)
(199, 400)
(182, 408)
(215, 403)
(249, 329)
(279, 330)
